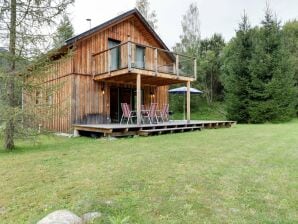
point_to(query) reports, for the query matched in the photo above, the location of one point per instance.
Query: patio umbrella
(183, 90)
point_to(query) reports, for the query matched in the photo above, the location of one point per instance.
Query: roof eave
(115, 20)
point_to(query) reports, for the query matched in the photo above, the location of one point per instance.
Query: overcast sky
(216, 16)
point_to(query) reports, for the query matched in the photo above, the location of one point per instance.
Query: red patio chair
(164, 113)
(144, 111)
(151, 114)
(127, 113)
(143, 108)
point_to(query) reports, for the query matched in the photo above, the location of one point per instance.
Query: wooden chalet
(121, 60)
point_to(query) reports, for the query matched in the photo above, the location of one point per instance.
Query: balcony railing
(131, 55)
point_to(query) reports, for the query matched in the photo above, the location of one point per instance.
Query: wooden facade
(86, 85)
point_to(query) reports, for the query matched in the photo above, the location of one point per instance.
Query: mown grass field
(245, 174)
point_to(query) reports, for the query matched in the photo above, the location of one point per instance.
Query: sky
(216, 16)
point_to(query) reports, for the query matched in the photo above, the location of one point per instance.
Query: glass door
(114, 104)
(120, 95)
(140, 57)
(115, 54)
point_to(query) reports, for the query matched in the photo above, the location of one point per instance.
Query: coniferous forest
(254, 75)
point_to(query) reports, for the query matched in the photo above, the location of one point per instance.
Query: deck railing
(131, 55)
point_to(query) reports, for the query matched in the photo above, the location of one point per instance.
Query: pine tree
(24, 24)
(290, 38)
(236, 59)
(64, 31)
(272, 78)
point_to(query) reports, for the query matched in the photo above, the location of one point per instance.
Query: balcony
(157, 66)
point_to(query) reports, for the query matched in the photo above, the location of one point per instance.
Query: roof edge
(115, 20)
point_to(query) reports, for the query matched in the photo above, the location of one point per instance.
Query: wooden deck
(119, 130)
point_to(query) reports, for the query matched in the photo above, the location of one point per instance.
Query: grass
(245, 174)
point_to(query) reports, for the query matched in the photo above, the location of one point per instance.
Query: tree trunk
(207, 91)
(10, 125)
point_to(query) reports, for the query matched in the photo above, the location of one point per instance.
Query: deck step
(170, 130)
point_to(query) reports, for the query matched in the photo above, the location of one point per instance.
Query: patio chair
(143, 107)
(151, 114)
(164, 113)
(127, 113)
(144, 111)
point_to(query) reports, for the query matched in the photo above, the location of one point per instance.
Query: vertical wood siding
(78, 94)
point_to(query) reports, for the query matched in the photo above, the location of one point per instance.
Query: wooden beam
(155, 60)
(167, 77)
(113, 73)
(163, 75)
(177, 64)
(129, 54)
(139, 99)
(109, 62)
(188, 102)
(148, 77)
(93, 129)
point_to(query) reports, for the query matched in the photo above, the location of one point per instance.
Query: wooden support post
(188, 102)
(177, 64)
(139, 119)
(109, 61)
(155, 61)
(129, 55)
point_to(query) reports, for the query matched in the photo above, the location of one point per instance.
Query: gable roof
(134, 12)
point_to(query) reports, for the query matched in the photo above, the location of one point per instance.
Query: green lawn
(245, 174)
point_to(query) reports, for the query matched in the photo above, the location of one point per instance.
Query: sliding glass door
(120, 95)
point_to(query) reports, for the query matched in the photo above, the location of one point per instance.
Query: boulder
(90, 216)
(61, 217)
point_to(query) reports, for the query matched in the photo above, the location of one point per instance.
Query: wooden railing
(131, 55)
